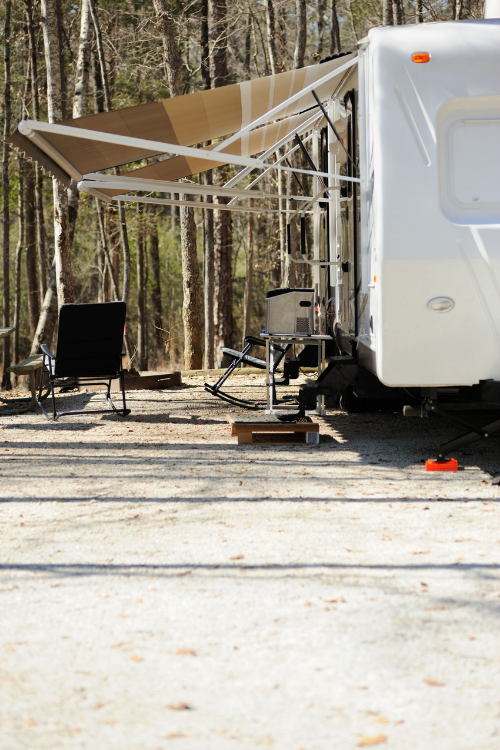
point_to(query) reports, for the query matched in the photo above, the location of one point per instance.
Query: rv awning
(182, 121)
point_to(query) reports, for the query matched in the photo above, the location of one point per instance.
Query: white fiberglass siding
(435, 130)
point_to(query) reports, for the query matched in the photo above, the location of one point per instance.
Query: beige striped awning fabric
(186, 120)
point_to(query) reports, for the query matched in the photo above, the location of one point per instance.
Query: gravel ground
(163, 587)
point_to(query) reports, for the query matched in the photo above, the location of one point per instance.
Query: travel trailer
(413, 292)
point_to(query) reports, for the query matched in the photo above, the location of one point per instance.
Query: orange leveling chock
(449, 464)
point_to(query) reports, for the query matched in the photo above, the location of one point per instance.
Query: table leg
(267, 375)
(321, 344)
(271, 375)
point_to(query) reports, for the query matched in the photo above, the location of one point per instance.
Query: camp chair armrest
(45, 349)
(254, 341)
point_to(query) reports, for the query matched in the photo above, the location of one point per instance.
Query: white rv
(415, 294)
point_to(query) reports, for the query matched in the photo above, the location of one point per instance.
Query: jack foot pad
(449, 464)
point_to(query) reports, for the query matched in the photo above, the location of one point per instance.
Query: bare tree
(142, 333)
(247, 305)
(223, 292)
(154, 265)
(398, 12)
(271, 36)
(334, 29)
(191, 309)
(419, 8)
(301, 35)
(208, 215)
(80, 101)
(19, 252)
(31, 264)
(40, 222)
(320, 16)
(5, 195)
(48, 315)
(64, 280)
(387, 13)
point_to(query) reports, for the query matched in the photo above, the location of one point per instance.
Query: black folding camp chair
(88, 352)
(245, 358)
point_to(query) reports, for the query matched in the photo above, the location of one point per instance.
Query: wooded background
(194, 279)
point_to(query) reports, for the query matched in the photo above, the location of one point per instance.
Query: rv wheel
(350, 403)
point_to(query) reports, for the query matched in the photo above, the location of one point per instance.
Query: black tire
(350, 403)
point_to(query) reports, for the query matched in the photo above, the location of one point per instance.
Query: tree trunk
(142, 346)
(223, 297)
(247, 325)
(334, 29)
(398, 12)
(388, 16)
(6, 361)
(289, 275)
(419, 11)
(320, 15)
(64, 279)
(126, 251)
(19, 252)
(80, 102)
(248, 47)
(48, 316)
(457, 10)
(218, 39)
(208, 217)
(114, 242)
(31, 264)
(208, 248)
(223, 293)
(62, 66)
(191, 308)
(271, 37)
(205, 49)
(154, 264)
(301, 37)
(40, 222)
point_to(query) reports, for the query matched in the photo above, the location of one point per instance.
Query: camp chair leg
(121, 412)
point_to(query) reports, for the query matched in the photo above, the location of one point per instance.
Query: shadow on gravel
(88, 569)
(108, 497)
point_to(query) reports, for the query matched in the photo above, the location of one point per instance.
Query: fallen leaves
(136, 658)
(421, 552)
(433, 683)
(435, 609)
(186, 652)
(336, 600)
(377, 739)
(179, 706)
(237, 557)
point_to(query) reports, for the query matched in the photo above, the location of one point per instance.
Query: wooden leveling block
(267, 430)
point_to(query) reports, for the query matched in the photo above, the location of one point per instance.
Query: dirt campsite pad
(162, 586)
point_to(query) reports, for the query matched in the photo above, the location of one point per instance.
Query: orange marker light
(374, 278)
(421, 57)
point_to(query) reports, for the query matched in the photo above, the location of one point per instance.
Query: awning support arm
(291, 100)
